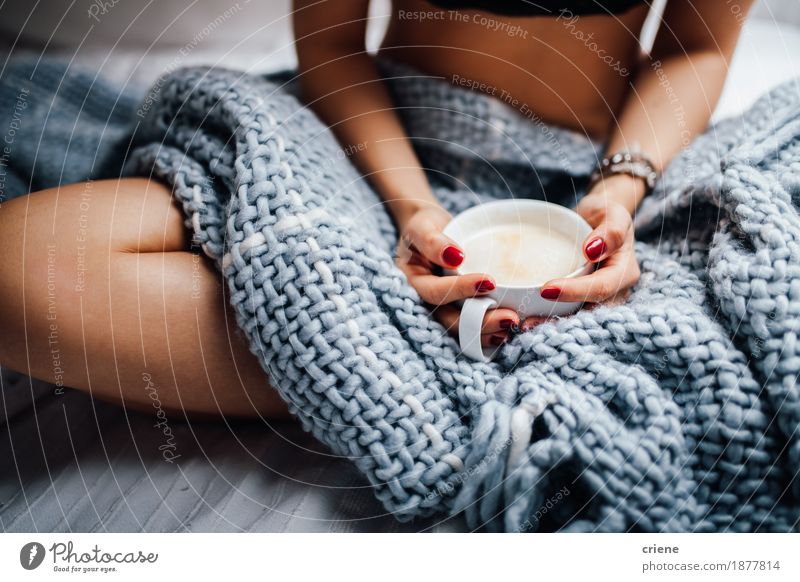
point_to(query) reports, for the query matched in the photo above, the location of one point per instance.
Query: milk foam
(521, 254)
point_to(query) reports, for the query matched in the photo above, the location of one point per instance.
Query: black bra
(541, 7)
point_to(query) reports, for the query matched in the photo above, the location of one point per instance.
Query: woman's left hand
(611, 247)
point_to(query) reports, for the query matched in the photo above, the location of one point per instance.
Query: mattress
(69, 463)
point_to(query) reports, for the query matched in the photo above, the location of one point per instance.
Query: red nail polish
(550, 293)
(506, 323)
(595, 249)
(484, 286)
(453, 256)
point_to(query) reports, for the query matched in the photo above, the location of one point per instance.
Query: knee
(41, 265)
(49, 254)
(12, 243)
(59, 244)
(12, 230)
(90, 219)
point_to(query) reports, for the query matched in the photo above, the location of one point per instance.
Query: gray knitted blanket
(677, 411)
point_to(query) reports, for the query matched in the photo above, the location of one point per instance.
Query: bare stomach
(571, 71)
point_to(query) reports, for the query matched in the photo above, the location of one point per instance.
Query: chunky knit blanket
(677, 411)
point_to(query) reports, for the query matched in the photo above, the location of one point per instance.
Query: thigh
(103, 293)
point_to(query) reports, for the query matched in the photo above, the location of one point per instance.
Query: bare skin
(570, 72)
(147, 314)
(537, 61)
(139, 310)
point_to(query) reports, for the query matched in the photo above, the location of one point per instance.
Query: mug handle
(469, 328)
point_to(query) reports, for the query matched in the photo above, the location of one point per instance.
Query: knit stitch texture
(677, 411)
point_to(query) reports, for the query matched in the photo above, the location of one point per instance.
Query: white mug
(524, 299)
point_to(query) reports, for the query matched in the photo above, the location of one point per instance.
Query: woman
(116, 261)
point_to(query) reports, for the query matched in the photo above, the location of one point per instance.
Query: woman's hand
(422, 249)
(610, 247)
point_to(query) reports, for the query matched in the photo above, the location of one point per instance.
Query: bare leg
(99, 291)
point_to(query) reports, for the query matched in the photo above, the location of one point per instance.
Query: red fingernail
(453, 256)
(484, 286)
(595, 249)
(506, 323)
(551, 293)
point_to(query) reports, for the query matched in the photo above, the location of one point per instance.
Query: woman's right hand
(422, 248)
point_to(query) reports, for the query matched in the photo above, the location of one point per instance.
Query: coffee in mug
(522, 244)
(521, 253)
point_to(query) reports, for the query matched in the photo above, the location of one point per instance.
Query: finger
(609, 236)
(426, 236)
(447, 315)
(438, 290)
(496, 324)
(597, 287)
(499, 321)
